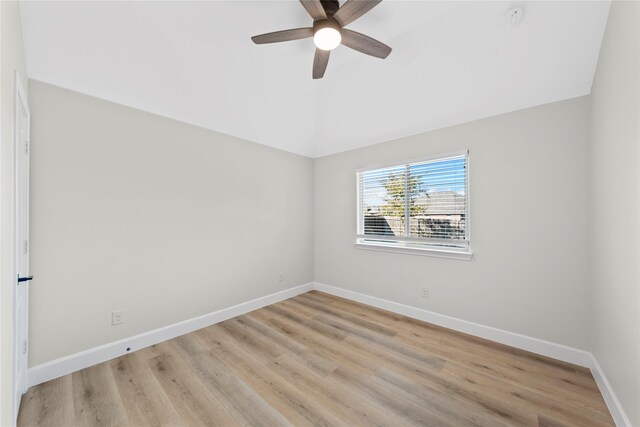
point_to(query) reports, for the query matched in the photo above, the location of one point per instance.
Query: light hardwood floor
(321, 360)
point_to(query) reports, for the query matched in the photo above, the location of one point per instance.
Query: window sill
(438, 253)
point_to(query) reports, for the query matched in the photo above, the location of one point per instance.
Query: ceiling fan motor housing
(330, 6)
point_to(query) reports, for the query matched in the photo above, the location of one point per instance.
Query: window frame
(364, 242)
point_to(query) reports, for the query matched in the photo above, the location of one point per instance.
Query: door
(21, 305)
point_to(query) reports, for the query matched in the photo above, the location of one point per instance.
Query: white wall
(11, 58)
(615, 200)
(528, 225)
(162, 219)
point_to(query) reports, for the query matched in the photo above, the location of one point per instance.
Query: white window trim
(450, 253)
(464, 254)
(413, 160)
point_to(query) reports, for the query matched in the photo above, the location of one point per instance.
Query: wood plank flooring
(321, 360)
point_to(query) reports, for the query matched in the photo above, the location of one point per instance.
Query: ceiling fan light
(327, 38)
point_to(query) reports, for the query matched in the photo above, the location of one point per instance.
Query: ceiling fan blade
(354, 9)
(320, 61)
(315, 9)
(283, 36)
(364, 44)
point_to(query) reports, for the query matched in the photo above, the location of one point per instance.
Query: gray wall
(528, 225)
(167, 221)
(11, 59)
(615, 189)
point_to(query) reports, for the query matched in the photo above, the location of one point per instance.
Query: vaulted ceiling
(452, 62)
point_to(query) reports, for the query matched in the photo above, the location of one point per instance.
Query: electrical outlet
(425, 293)
(281, 277)
(117, 317)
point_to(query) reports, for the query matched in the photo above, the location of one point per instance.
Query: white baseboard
(614, 405)
(545, 348)
(74, 362)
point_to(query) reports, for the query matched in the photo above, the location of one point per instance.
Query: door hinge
(24, 347)
(25, 247)
(26, 146)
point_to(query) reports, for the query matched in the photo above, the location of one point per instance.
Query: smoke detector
(513, 17)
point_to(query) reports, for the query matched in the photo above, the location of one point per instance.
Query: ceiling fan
(328, 32)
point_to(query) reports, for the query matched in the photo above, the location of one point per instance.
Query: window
(420, 207)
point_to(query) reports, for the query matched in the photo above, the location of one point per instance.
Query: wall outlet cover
(117, 317)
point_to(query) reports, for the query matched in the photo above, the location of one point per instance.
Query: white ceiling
(193, 61)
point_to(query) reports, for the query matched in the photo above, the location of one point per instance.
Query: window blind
(416, 205)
